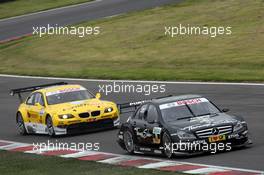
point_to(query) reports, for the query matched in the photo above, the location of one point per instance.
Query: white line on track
(133, 81)
(112, 16)
(50, 10)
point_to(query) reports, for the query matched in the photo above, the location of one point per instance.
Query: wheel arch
(46, 117)
(23, 115)
(127, 127)
(164, 130)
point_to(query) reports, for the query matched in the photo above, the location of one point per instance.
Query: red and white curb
(15, 38)
(133, 161)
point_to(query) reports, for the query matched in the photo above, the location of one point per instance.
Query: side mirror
(225, 110)
(98, 96)
(38, 105)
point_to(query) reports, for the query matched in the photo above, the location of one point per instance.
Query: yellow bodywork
(35, 115)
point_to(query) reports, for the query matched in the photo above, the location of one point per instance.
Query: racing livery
(193, 120)
(59, 109)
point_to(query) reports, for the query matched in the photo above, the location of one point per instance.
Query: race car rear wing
(132, 106)
(32, 88)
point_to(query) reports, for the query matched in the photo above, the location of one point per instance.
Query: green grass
(28, 164)
(133, 46)
(20, 7)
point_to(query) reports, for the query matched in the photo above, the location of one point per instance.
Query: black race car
(176, 125)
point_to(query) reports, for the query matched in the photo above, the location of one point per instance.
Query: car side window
(30, 100)
(152, 114)
(141, 112)
(39, 99)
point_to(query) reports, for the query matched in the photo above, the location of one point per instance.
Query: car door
(30, 104)
(139, 124)
(36, 108)
(152, 125)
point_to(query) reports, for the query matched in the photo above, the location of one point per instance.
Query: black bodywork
(148, 127)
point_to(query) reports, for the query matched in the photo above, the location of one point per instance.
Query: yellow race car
(59, 109)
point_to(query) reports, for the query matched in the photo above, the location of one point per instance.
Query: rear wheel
(167, 145)
(128, 141)
(21, 125)
(50, 127)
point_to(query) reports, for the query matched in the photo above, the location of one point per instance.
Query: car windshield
(65, 97)
(187, 109)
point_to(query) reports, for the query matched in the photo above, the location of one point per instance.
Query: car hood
(81, 106)
(203, 122)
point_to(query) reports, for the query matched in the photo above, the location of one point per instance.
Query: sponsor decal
(209, 123)
(144, 149)
(217, 138)
(82, 105)
(157, 151)
(199, 141)
(233, 136)
(65, 91)
(156, 132)
(138, 102)
(143, 134)
(183, 102)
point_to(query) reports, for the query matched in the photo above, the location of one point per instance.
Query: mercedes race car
(180, 125)
(59, 109)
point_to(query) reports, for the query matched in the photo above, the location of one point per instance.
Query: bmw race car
(59, 109)
(180, 125)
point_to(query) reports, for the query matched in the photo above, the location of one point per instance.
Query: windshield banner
(182, 103)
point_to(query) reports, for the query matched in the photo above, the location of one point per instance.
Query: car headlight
(238, 126)
(109, 109)
(66, 116)
(184, 135)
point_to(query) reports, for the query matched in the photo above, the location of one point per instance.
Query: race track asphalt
(243, 100)
(23, 25)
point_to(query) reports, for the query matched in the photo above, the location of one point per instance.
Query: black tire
(167, 145)
(21, 125)
(50, 127)
(129, 141)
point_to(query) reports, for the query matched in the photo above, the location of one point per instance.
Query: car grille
(95, 113)
(84, 115)
(220, 130)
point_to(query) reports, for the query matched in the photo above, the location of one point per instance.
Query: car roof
(59, 88)
(175, 98)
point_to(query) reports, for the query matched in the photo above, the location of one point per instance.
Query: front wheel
(129, 142)
(50, 127)
(167, 145)
(21, 125)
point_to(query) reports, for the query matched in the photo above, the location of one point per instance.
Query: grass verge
(13, 163)
(134, 46)
(20, 7)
